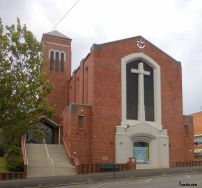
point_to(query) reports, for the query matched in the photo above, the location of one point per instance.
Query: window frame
(199, 142)
(54, 60)
(157, 88)
(81, 117)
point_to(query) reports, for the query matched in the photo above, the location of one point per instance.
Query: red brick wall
(188, 138)
(81, 83)
(197, 121)
(58, 98)
(77, 139)
(104, 94)
(67, 127)
(71, 90)
(107, 98)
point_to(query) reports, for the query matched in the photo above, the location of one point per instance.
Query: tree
(23, 84)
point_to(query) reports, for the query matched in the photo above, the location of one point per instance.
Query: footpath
(96, 177)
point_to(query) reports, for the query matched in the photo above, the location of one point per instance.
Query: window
(133, 71)
(62, 60)
(197, 140)
(52, 60)
(57, 61)
(81, 122)
(149, 93)
(141, 89)
(186, 129)
(132, 91)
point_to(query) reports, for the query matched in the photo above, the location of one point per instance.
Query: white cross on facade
(141, 72)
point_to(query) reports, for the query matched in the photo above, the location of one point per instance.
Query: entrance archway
(46, 132)
(46, 129)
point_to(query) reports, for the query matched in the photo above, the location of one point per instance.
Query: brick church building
(123, 101)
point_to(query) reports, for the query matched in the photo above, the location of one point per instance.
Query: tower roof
(57, 34)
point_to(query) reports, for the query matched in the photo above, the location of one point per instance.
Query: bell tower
(57, 57)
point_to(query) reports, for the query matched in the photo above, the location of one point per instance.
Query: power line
(68, 11)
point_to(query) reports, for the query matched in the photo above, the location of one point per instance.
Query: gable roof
(49, 122)
(97, 46)
(57, 34)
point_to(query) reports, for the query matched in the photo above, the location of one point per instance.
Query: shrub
(13, 151)
(1, 151)
(13, 158)
(2, 144)
(15, 164)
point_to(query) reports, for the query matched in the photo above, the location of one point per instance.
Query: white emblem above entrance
(140, 43)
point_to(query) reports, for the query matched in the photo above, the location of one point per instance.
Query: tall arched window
(52, 60)
(57, 61)
(62, 60)
(141, 92)
(139, 76)
(132, 92)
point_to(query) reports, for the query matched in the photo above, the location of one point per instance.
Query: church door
(48, 135)
(141, 152)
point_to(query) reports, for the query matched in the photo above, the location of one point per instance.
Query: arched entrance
(43, 132)
(141, 152)
(45, 129)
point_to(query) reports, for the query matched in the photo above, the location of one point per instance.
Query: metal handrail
(46, 148)
(76, 161)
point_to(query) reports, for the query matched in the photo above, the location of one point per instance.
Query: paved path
(98, 177)
(193, 180)
(40, 165)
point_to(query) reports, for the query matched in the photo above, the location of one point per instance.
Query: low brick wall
(12, 175)
(93, 168)
(186, 163)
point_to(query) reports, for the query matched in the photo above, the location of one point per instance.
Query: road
(189, 180)
(142, 179)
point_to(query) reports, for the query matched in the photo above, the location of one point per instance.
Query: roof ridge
(96, 46)
(57, 34)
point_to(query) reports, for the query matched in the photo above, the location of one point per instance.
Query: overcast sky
(175, 26)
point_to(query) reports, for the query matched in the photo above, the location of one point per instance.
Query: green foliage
(1, 151)
(13, 151)
(13, 157)
(23, 85)
(2, 144)
(3, 165)
(15, 164)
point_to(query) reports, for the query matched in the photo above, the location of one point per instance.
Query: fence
(186, 163)
(12, 175)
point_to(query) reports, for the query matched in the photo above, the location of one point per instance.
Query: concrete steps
(41, 166)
